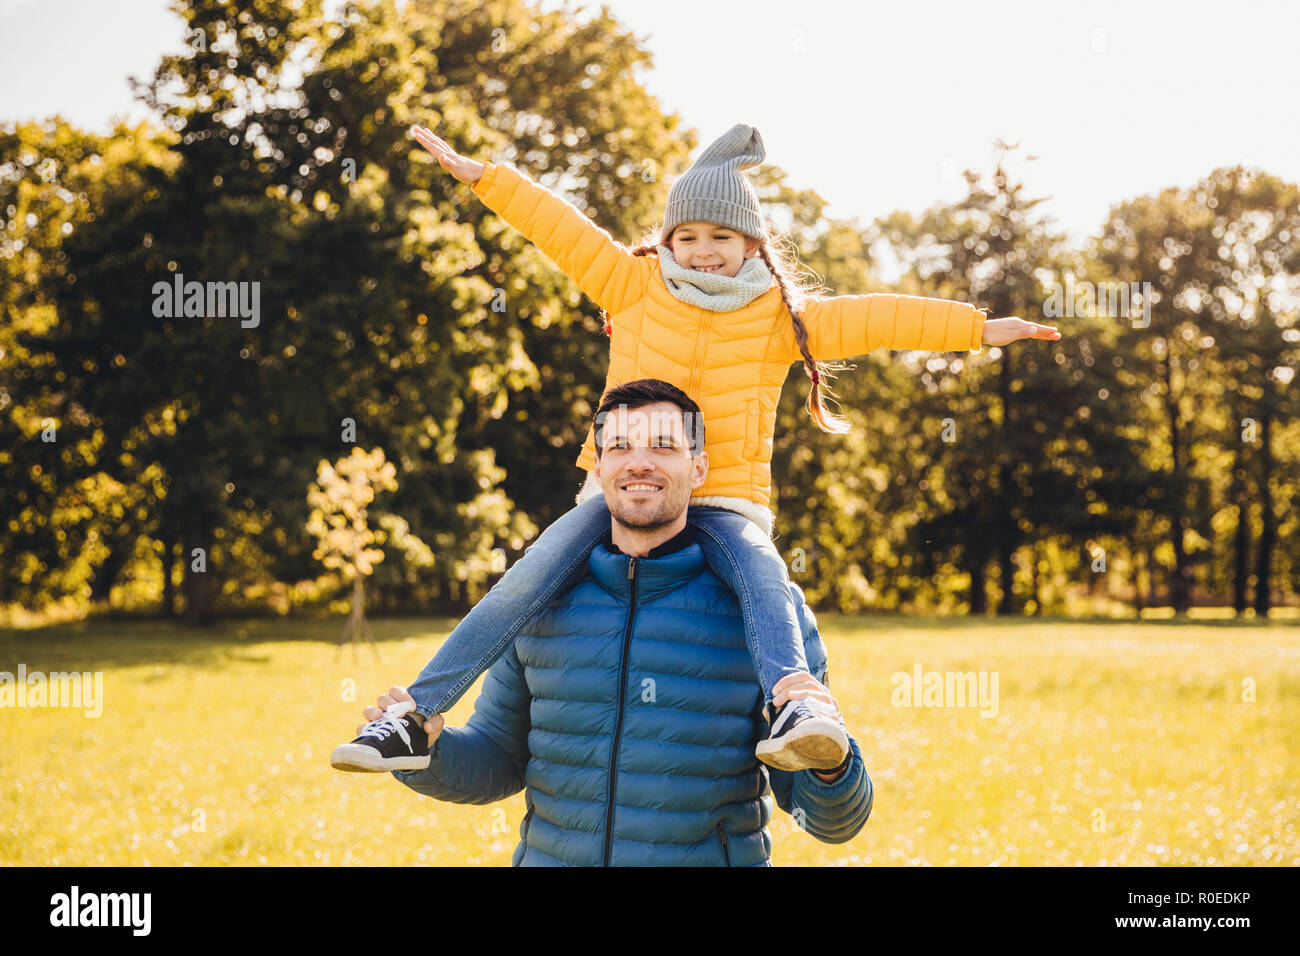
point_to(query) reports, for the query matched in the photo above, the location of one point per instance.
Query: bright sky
(877, 106)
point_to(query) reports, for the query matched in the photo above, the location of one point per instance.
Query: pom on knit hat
(714, 189)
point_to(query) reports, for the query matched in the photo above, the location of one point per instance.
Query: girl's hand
(1005, 331)
(466, 170)
(806, 687)
(803, 687)
(433, 726)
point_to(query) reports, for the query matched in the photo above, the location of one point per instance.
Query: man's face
(708, 248)
(645, 468)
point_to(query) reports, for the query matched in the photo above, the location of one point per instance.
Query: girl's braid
(823, 417)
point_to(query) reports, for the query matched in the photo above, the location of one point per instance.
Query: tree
(340, 521)
(1001, 452)
(1242, 282)
(78, 496)
(1222, 259)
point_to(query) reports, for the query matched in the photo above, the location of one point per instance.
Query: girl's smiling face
(711, 248)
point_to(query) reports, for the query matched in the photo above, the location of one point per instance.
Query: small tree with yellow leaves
(340, 498)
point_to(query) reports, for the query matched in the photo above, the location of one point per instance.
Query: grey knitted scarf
(712, 290)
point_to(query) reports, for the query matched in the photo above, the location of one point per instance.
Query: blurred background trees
(1128, 464)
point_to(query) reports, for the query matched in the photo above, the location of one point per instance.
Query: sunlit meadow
(1114, 744)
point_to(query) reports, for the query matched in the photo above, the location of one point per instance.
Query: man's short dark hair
(647, 391)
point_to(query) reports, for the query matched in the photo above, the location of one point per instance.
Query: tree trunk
(101, 586)
(198, 597)
(1178, 592)
(1153, 589)
(357, 620)
(1034, 583)
(1241, 538)
(197, 584)
(1268, 521)
(356, 626)
(168, 571)
(1007, 570)
(1139, 596)
(979, 601)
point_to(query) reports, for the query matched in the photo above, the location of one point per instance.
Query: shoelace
(830, 712)
(822, 708)
(813, 706)
(390, 723)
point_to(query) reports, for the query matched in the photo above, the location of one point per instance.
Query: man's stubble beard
(666, 514)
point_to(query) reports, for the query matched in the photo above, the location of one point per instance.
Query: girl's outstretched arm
(605, 270)
(842, 326)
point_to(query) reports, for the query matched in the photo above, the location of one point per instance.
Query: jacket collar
(669, 566)
(712, 291)
(678, 541)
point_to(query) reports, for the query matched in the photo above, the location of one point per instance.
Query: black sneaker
(804, 736)
(393, 742)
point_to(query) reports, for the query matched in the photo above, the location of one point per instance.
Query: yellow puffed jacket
(732, 364)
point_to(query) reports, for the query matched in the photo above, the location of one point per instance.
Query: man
(628, 710)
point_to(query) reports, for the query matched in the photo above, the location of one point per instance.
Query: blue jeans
(737, 550)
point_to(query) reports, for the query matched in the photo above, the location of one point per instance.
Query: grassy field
(1113, 744)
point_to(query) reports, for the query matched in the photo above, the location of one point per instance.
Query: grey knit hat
(714, 190)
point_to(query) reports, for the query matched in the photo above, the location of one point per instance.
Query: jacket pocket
(726, 849)
(753, 422)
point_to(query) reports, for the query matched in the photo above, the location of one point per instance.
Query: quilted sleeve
(842, 326)
(830, 812)
(484, 761)
(605, 270)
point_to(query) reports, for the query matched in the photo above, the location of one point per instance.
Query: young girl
(710, 309)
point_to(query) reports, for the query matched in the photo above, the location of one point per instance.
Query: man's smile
(641, 487)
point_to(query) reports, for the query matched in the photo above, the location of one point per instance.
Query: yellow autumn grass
(1113, 744)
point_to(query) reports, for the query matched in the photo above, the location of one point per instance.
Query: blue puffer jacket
(629, 710)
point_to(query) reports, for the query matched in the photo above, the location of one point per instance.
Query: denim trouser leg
(554, 561)
(747, 561)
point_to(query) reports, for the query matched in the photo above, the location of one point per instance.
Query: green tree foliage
(377, 274)
(1220, 351)
(957, 463)
(76, 492)
(1145, 462)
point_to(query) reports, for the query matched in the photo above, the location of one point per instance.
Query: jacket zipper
(726, 850)
(697, 359)
(618, 725)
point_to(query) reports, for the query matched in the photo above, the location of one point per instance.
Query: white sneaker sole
(363, 759)
(817, 744)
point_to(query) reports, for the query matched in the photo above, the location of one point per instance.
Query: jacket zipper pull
(631, 568)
